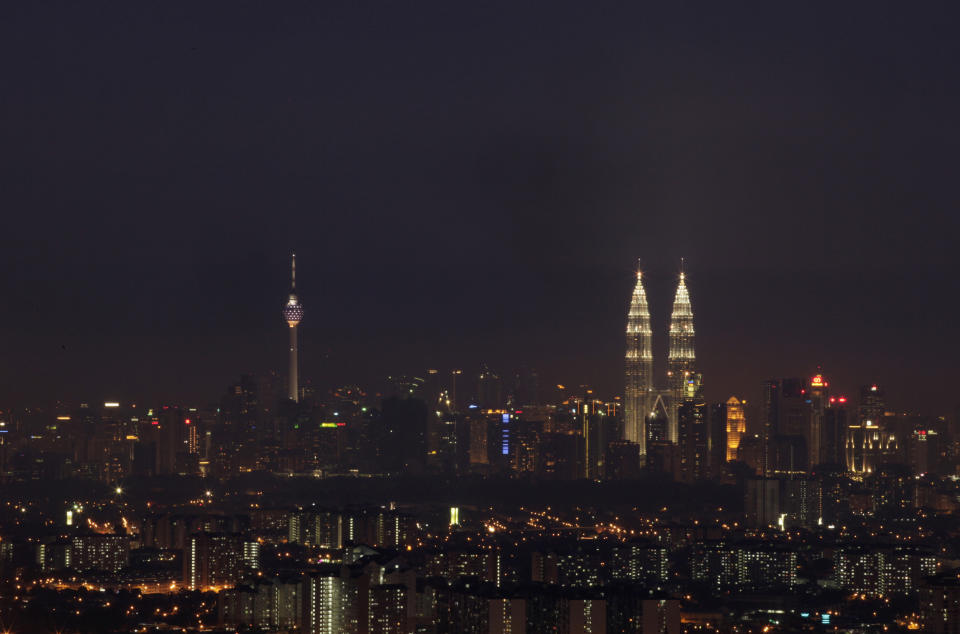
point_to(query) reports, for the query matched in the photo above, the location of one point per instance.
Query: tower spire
(681, 357)
(638, 386)
(293, 272)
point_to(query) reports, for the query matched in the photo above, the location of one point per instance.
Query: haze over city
(490, 318)
(466, 189)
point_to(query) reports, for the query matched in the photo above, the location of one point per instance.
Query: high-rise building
(692, 431)
(744, 565)
(870, 438)
(293, 314)
(818, 396)
(833, 432)
(657, 421)
(526, 388)
(454, 403)
(596, 429)
(882, 571)
(787, 417)
(170, 440)
(940, 604)
(214, 559)
(109, 553)
(401, 434)
(489, 389)
(681, 359)
(388, 611)
(716, 414)
(872, 404)
(507, 615)
(661, 616)
(639, 369)
(326, 603)
(622, 461)
(865, 443)
(736, 422)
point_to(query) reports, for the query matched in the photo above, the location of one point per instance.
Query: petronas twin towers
(641, 397)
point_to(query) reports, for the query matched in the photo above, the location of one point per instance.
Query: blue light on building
(505, 435)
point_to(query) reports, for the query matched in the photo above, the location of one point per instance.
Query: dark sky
(468, 182)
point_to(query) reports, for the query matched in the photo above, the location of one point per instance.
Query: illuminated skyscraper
(639, 369)
(870, 437)
(736, 422)
(293, 313)
(872, 404)
(680, 362)
(818, 394)
(693, 432)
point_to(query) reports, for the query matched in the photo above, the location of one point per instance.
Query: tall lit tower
(639, 368)
(681, 359)
(293, 313)
(736, 423)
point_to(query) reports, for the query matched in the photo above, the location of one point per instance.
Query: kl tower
(293, 313)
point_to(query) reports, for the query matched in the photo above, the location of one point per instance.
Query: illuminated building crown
(293, 310)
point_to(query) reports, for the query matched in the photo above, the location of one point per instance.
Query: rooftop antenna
(293, 272)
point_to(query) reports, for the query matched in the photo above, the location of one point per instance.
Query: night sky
(473, 182)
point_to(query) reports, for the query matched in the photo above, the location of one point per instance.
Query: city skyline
(667, 355)
(667, 350)
(479, 318)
